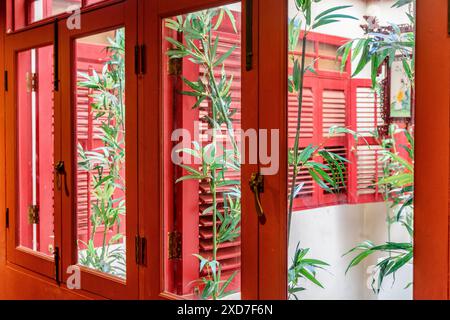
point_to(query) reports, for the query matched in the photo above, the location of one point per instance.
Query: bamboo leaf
(225, 56)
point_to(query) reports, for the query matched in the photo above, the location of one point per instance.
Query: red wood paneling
(431, 251)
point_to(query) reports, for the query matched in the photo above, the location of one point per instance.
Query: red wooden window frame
(19, 12)
(431, 279)
(26, 258)
(98, 21)
(195, 229)
(157, 226)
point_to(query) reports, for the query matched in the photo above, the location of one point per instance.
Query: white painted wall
(332, 231)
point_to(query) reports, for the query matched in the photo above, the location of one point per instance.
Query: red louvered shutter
(367, 116)
(326, 103)
(334, 108)
(332, 98)
(307, 196)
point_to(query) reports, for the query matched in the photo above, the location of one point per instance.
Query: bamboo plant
(398, 182)
(106, 163)
(326, 168)
(375, 48)
(201, 48)
(398, 172)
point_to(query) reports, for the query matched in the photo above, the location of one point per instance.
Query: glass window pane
(329, 65)
(42, 9)
(202, 196)
(100, 138)
(351, 163)
(35, 154)
(326, 49)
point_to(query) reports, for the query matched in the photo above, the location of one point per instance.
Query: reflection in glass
(351, 157)
(100, 138)
(35, 155)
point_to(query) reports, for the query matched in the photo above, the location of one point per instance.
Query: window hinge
(141, 250)
(5, 80)
(175, 245)
(32, 82)
(57, 257)
(7, 218)
(33, 214)
(175, 67)
(140, 55)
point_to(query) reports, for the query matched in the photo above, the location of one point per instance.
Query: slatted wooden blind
(368, 117)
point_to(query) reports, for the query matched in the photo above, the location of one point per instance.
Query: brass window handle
(257, 186)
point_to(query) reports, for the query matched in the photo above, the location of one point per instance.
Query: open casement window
(32, 147)
(27, 12)
(99, 88)
(200, 234)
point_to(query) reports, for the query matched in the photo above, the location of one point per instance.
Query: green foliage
(328, 174)
(401, 3)
(303, 268)
(398, 179)
(398, 183)
(201, 48)
(398, 172)
(399, 254)
(106, 162)
(327, 169)
(213, 285)
(373, 49)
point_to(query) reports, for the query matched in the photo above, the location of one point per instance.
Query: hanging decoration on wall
(400, 92)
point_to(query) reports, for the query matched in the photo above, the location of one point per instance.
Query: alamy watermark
(74, 278)
(74, 20)
(251, 146)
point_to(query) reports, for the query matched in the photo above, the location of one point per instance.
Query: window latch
(60, 172)
(257, 186)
